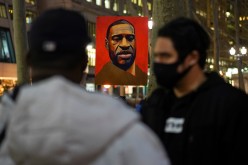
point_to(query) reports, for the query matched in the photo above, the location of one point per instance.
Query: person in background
(56, 122)
(201, 119)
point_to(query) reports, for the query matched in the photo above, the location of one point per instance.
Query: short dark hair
(57, 39)
(187, 35)
(121, 21)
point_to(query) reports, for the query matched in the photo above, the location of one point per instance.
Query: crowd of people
(192, 118)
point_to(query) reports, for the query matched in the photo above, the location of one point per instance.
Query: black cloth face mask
(167, 75)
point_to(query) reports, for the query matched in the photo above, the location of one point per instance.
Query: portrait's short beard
(127, 65)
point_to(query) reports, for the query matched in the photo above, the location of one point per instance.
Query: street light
(232, 51)
(242, 51)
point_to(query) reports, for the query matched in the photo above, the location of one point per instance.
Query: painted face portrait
(121, 51)
(121, 45)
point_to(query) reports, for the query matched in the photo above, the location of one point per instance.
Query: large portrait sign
(121, 50)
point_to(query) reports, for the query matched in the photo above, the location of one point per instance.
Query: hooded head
(57, 42)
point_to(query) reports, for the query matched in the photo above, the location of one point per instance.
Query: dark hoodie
(206, 127)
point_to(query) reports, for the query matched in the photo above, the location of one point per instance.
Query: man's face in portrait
(121, 45)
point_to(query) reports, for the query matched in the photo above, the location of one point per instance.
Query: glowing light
(106, 86)
(228, 14)
(232, 51)
(150, 24)
(243, 50)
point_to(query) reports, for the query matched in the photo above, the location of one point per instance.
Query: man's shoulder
(227, 90)
(217, 86)
(135, 136)
(223, 94)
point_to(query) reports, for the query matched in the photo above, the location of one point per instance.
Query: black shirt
(206, 127)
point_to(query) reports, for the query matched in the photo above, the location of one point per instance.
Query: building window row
(30, 15)
(115, 4)
(32, 2)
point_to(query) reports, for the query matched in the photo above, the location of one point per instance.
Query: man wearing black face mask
(200, 119)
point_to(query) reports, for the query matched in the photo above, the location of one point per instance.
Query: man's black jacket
(215, 128)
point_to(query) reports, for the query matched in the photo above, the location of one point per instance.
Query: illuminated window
(134, 1)
(6, 47)
(116, 7)
(30, 16)
(30, 1)
(90, 87)
(107, 4)
(92, 29)
(99, 2)
(149, 5)
(3, 11)
(91, 56)
(140, 3)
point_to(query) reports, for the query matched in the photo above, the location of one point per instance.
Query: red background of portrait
(141, 35)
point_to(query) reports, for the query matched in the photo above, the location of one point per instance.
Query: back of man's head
(57, 41)
(187, 35)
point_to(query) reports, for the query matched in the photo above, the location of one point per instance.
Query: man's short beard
(127, 65)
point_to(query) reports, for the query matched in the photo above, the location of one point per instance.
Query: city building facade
(218, 18)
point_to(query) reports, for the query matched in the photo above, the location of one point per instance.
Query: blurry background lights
(89, 46)
(232, 51)
(243, 50)
(106, 86)
(150, 24)
(228, 14)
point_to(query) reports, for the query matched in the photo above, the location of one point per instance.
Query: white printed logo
(174, 125)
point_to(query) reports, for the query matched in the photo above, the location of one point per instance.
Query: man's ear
(193, 57)
(106, 43)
